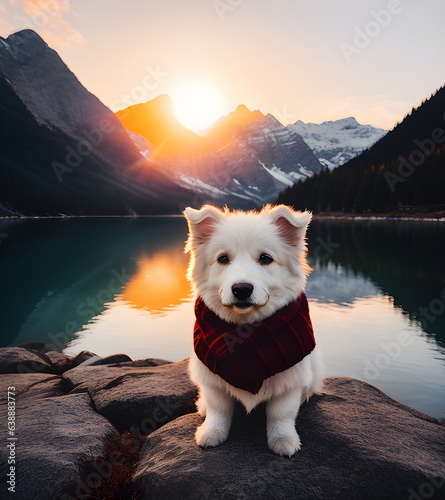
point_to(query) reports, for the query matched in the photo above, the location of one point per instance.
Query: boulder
(84, 356)
(81, 433)
(146, 395)
(55, 436)
(146, 362)
(88, 376)
(357, 443)
(60, 362)
(87, 358)
(31, 385)
(108, 360)
(21, 360)
(34, 346)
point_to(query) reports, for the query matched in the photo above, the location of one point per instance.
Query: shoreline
(134, 422)
(396, 215)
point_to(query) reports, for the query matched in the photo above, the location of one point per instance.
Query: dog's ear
(201, 224)
(291, 225)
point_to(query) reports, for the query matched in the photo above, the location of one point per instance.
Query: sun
(196, 103)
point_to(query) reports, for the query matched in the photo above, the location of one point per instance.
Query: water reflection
(57, 275)
(403, 260)
(118, 285)
(159, 284)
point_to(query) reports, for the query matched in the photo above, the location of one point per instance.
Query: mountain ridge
(338, 141)
(62, 150)
(155, 121)
(404, 169)
(245, 154)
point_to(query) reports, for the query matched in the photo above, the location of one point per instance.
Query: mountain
(155, 121)
(228, 127)
(272, 144)
(337, 142)
(405, 169)
(62, 150)
(245, 157)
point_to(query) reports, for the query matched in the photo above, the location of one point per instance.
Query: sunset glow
(197, 104)
(159, 284)
(310, 61)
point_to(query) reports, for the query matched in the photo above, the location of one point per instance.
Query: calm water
(377, 295)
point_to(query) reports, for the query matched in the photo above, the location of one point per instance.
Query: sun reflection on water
(159, 284)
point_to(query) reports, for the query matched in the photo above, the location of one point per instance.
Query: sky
(311, 60)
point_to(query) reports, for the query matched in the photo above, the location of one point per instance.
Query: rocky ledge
(113, 428)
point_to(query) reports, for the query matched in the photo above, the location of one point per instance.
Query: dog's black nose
(242, 291)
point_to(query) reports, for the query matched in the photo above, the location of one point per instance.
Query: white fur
(243, 237)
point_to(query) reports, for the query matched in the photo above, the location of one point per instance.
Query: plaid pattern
(246, 355)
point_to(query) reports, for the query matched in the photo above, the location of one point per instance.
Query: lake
(109, 285)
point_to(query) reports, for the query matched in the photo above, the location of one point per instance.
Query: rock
(55, 436)
(20, 360)
(84, 377)
(146, 362)
(357, 443)
(149, 399)
(35, 346)
(108, 360)
(145, 396)
(87, 358)
(31, 385)
(84, 356)
(60, 362)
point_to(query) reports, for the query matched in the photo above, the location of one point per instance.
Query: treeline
(404, 168)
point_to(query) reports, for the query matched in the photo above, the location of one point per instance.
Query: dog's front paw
(208, 437)
(285, 446)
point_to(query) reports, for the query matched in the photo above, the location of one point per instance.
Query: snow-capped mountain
(336, 142)
(62, 151)
(245, 159)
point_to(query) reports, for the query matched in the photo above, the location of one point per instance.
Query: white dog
(253, 338)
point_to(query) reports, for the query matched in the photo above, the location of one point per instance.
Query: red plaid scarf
(246, 355)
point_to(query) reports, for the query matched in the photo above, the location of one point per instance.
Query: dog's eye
(223, 259)
(265, 259)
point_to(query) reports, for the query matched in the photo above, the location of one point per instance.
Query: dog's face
(246, 266)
